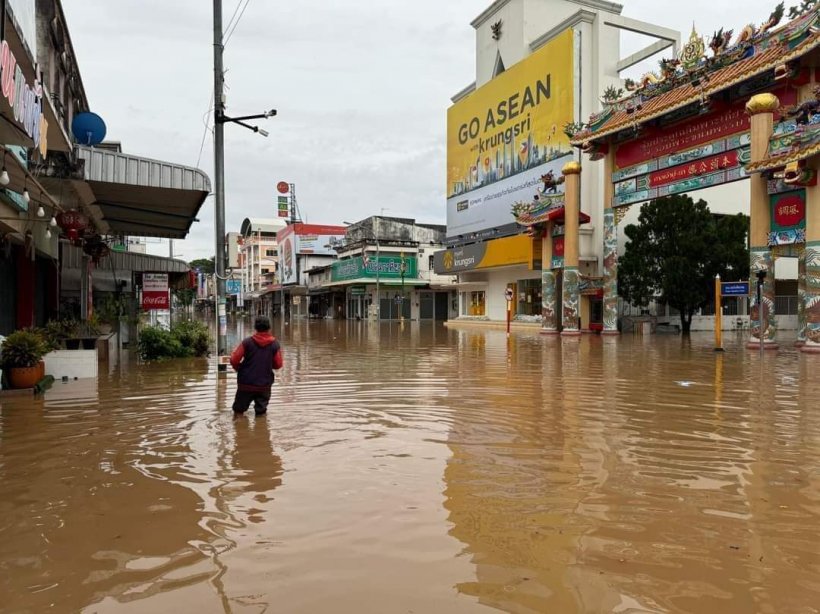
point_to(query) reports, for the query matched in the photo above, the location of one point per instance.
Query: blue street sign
(233, 286)
(734, 288)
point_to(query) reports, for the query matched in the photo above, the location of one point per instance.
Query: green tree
(676, 250)
(206, 265)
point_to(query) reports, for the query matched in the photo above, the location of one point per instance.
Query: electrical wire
(206, 122)
(230, 21)
(238, 19)
(233, 22)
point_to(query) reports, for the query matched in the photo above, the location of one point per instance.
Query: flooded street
(423, 470)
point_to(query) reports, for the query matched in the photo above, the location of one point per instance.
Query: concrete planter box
(71, 364)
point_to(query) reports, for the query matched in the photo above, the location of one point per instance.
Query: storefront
(487, 269)
(391, 279)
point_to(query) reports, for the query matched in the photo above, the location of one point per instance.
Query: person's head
(262, 324)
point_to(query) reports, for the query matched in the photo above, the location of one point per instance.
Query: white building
(539, 65)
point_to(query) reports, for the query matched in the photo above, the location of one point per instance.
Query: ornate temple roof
(792, 142)
(547, 210)
(693, 77)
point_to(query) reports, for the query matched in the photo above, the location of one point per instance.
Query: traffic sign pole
(718, 315)
(508, 294)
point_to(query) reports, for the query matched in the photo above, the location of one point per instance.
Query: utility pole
(219, 183)
(220, 119)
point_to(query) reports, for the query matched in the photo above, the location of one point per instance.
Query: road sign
(508, 293)
(283, 187)
(734, 288)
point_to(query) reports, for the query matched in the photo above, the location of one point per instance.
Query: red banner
(663, 141)
(704, 166)
(557, 247)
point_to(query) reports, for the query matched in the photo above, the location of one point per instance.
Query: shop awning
(141, 197)
(471, 285)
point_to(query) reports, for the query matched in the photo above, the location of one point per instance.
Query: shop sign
(358, 290)
(385, 267)
(26, 101)
(488, 254)
(788, 224)
(155, 291)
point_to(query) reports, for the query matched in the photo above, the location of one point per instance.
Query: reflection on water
(422, 469)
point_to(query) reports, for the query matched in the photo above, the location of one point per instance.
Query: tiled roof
(775, 53)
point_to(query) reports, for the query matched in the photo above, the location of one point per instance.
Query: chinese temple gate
(750, 110)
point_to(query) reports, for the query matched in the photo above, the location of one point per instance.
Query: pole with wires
(219, 185)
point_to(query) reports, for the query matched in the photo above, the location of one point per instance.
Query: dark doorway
(442, 301)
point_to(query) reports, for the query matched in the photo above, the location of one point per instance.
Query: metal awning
(141, 197)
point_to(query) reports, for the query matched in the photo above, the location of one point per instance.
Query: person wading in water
(254, 360)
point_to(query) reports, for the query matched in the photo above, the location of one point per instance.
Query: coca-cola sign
(155, 291)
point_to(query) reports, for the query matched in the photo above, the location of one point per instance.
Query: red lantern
(72, 223)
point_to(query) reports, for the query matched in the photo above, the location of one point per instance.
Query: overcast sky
(361, 87)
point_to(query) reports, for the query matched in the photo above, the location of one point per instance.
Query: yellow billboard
(503, 137)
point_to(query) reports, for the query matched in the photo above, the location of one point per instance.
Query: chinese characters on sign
(699, 167)
(788, 218)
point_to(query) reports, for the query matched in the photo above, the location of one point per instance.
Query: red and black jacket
(254, 360)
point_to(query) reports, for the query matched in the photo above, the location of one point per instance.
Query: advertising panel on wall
(154, 291)
(502, 138)
(305, 239)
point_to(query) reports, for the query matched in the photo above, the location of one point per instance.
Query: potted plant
(110, 312)
(22, 355)
(90, 332)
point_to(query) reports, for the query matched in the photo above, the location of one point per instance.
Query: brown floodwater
(422, 469)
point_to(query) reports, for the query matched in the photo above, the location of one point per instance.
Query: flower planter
(25, 377)
(72, 344)
(89, 343)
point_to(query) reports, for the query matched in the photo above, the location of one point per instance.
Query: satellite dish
(88, 128)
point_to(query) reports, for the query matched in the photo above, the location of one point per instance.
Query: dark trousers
(244, 398)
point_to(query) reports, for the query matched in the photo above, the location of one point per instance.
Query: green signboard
(389, 267)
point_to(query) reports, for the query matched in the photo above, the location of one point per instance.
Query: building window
(474, 303)
(529, 297)
(430, 262)
(270, 253)
(265, 271)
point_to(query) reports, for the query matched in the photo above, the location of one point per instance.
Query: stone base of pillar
(587, 331)
(767, 345)
(548, 331)
(610, 333)
(810, 348)
(571, 333)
